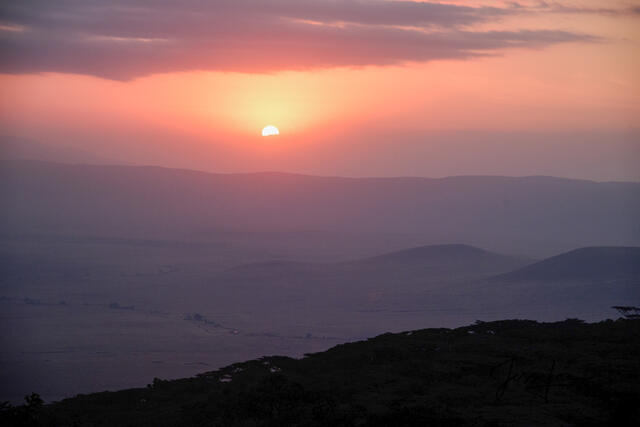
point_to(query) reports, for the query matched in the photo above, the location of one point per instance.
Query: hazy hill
(456, 278)
(505, 373)
(584, 264)
(443, 261)
(351, 284)
(530, 215)
(583, 283)
(420, 264)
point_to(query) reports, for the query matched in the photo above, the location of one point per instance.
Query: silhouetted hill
(386, 279)
(445, 260)
(529, 215)
(439, 281)
(584, 264)
(504, 373)
(422, 263)
(583, 283)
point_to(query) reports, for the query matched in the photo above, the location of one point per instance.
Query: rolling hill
(583, 283)
(443, 261)
(422, 264)
(449, 278)
(584, 264)
(349, 284)
(534, 216)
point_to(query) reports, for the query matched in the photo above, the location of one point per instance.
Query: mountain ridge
(119, 165)
(533, 216)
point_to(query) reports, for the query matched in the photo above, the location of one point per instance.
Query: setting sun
(270, 131)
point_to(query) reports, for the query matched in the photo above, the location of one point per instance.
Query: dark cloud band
(128, 39)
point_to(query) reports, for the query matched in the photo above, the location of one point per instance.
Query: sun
(270, 131)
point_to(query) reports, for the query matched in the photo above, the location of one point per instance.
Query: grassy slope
(489, 374)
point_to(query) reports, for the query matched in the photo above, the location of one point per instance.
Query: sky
(356, 88)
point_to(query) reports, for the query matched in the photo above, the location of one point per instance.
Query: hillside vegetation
(504, 373)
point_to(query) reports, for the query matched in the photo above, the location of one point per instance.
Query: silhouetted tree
(29, 414)
(628, 311)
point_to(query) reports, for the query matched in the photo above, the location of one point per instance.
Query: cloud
(614, 7)
(128, 39)
(572, 8)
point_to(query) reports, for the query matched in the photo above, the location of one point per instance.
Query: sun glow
(270, 131)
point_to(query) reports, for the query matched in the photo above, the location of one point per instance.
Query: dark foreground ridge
(512, 372)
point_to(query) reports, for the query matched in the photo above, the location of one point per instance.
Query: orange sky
(415, 117)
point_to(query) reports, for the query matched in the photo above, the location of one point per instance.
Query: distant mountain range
(533, 216)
